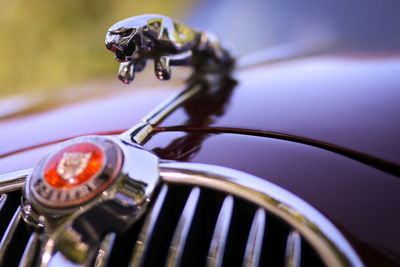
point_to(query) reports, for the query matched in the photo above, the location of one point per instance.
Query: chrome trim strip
(105, 250)
(30, 251)
(146, 233)
(13, 180)
(319, 231)
(217, 247)
(254, 243)
(140, 131)
(9, 233)
(182, 230)
(293, 250)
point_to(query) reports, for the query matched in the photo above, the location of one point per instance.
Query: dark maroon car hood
(344, 103)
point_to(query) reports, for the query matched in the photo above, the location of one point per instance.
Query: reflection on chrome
(293, 250)
(254, 243)
(220, 235)
(137, 39)
(320, 232)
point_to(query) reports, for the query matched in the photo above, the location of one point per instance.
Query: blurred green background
(46, 45)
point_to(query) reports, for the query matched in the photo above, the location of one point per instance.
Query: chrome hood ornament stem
(169, 43)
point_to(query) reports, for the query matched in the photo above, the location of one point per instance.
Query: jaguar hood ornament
(169, 43)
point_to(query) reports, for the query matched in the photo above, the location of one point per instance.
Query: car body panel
(104, 115)
(348, 102)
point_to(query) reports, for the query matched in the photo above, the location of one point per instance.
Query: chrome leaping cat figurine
(168, 43)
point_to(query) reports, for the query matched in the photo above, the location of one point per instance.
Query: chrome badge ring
(77, 172)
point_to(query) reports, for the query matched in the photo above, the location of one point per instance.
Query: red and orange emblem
(73, 165)
(77, 172)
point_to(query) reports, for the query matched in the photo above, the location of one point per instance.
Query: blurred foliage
(48, 44)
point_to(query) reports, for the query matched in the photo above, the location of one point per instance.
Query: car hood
(343, 103)
(113, 111)
(347, 103)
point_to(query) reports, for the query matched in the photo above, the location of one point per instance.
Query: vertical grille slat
(9, 233)
(105, 249)
(14, 234)
(147, 231)
(293, 250)
(3, 199)
(254, 243)
(9, 205)
(182, 229)
(28, 257)
(220, 235)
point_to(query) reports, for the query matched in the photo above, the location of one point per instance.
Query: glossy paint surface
(360, 200)
(109, 114)
(25, 159)
(348, 102)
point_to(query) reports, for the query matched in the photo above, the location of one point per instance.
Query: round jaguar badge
(78, 171)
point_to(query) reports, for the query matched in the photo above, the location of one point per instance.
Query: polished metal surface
(105, 250)
(28, 257)
(220, 234)
(147, 231)
(137, 134)
(3, 198)
(293, 250)
(7, 236)
(208, 84)
(13, 180)
(31, 216)
(324, 237)
(67, 191)
(320, 232)
(255, 241)
(166, 107)
(182, 230)
(141, 131)
(137, 39)
(76, 236)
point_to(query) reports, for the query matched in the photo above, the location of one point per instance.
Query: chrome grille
(14, 233)
(186, 225)
(189, 226)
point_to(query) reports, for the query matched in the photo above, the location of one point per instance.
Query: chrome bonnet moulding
(13, 180)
